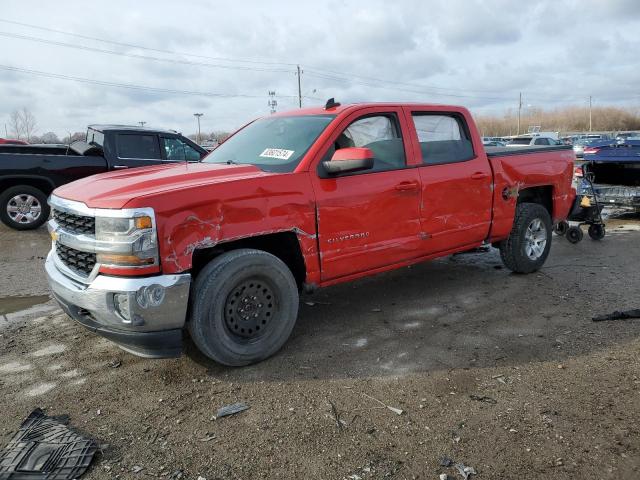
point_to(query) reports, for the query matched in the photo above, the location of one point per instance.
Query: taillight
(578, 172)
(591, 150)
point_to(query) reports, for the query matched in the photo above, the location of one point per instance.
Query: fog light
(121, 303)
(151, 296)
(155, 294)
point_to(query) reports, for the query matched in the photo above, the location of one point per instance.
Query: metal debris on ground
(336, 416)
(44, 447)
(464, 470)
(114, 364)
(484, 399)
(446, 462)
(397, 411)
(231, 410)
(618, 315)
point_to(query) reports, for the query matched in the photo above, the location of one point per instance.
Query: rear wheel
(23, 207)
(244, 306)
(528, 244)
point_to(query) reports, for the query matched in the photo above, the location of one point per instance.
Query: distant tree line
(217, 136)
(568, 119)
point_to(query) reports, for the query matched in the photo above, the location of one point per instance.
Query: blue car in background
(615, 167)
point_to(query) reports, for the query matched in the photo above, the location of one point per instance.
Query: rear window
(138, 146)
(443, 139)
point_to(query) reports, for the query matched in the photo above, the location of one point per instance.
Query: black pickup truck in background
(29, 173)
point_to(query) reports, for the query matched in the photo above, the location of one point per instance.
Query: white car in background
(533, 140)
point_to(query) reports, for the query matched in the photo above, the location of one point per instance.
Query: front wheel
(528, 244)
(23, 207)
(244, 305)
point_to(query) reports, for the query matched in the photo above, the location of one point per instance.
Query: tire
(561, 228)
(525, 250)
(23, 207)
(238, 326)
(574, 235)
(597, 231)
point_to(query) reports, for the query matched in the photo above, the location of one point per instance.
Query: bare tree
(29, 123)
(219, 136)
(49, 137)
(22, 123)
(15, 125)
(72, 137)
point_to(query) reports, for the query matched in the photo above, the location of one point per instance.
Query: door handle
(479, 176)
(120, 167)
(408, 187)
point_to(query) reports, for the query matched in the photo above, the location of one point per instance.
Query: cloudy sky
(68, 61)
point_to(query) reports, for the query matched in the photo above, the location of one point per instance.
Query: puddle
(10, 305)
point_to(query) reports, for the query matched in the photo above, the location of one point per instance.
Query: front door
(369, 219)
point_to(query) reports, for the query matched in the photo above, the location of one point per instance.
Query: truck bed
(511, 151)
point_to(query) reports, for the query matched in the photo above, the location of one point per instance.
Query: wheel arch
(542, 195)
(43, 184)
(283, 245)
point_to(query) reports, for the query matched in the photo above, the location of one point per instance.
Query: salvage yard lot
(555, 395)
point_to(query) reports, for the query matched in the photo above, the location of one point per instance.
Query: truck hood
(116, 189)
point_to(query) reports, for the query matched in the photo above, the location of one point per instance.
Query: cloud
(479, 53)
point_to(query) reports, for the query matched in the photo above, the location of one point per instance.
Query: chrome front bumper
(154, 331)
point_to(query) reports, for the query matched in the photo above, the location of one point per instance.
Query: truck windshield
(94, 137)
(273, 144)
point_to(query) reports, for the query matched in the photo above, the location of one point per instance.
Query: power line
(131, 86)
(414, 90)
(318, 72)
(138, 56)
(141, 47)
(333, 75)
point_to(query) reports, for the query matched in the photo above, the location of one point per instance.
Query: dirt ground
(502, 372)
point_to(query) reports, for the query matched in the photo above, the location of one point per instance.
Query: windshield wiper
(231, 162)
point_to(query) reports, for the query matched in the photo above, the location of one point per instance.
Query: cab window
(442, 138)
(176, 149)
(379, 133)
(138, 146)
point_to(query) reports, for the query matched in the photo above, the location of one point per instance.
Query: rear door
(368, 219)
(137, 150)
(456, 181)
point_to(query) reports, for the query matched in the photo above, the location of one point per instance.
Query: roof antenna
(331, 103)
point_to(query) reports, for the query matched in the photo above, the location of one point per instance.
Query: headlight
(132, 241)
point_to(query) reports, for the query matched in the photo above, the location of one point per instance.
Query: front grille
(75, 223)
(79, 262)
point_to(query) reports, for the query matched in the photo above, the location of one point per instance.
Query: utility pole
(142, 123)
(198, 115)
(590, 124)
(272, 103)
(299, 87)
(519, 110)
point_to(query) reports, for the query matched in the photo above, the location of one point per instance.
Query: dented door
(369, 219)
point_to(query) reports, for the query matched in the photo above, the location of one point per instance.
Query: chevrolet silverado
(289, 203)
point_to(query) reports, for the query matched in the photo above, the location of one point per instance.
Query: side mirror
(352, 159)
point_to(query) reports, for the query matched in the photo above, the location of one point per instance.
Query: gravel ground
(505, 373)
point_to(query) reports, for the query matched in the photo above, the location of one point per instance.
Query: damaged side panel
(279, 203)
(514, 173)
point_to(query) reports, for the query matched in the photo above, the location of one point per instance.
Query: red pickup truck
(292, 202)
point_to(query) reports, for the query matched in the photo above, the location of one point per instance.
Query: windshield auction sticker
(279, 153)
